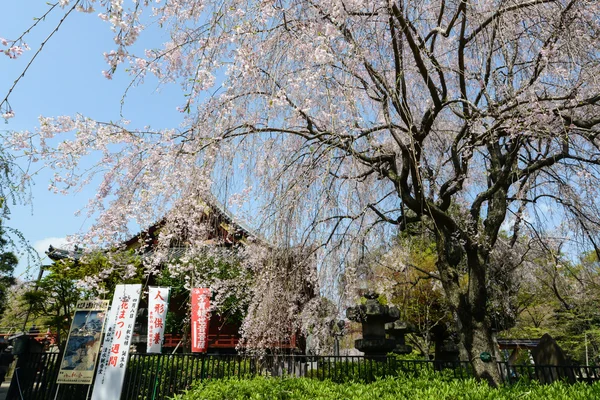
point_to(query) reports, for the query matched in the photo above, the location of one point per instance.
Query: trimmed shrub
(423, 387)
(156, 375)
(369, 370)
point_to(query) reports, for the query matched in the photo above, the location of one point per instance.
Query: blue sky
(66, 79)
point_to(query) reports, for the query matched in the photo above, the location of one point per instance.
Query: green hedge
(151, 375)
(369, 370)
(432, 387)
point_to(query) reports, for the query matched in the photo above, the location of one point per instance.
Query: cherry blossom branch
(39, 50)
(503, 11)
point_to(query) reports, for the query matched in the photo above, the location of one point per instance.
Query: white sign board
(115, 348)
(158, 302)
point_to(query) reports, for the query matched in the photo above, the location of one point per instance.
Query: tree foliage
(13, 191)
(405, 275)
(53, 300)
(221, 270)
(562, 299)
(16, 310)
(8, 262)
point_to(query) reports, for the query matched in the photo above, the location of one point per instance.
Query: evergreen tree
(8, 262)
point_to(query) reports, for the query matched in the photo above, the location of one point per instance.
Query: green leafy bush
(365, 370)
(430, 386)
(159, 376)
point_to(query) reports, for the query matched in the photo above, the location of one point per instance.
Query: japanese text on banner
(200, 319)
(158, 303)
(115, 348)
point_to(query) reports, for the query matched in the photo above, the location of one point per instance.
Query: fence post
(202, 367)
(157, 378)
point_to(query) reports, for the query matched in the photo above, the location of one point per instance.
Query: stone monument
(446, 349)
(373, 316)
(550, 361)
(396, 331)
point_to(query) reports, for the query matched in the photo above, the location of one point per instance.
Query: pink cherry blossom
(331, 126)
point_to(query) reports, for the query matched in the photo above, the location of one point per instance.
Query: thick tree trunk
(467, 296)
(476, 337)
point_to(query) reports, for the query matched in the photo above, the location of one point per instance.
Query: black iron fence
(34, 378)
(161, 376)
(548, 373)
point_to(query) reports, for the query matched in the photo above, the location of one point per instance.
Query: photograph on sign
(83, 343)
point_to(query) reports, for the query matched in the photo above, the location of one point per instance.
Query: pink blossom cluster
(8, 114)
(13, 50)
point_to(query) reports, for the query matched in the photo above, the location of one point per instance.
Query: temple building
(221, 233)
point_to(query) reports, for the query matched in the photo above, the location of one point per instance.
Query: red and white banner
(158, 303)
(115, 348)
(200, 318)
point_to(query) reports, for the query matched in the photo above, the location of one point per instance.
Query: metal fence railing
(548, 373)
(34, 378)
(161, 376)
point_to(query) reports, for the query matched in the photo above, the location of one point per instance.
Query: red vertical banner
(200, 318)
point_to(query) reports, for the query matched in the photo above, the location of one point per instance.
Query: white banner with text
(115, 348)
(158, 303)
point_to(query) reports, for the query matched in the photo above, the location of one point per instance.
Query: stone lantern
(396, 331)
(373, 316)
